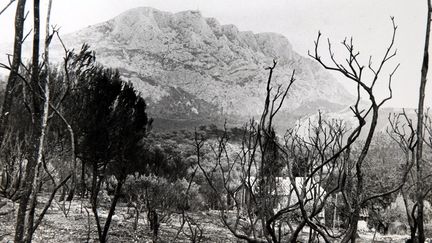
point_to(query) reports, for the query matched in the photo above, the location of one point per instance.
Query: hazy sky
(368, 21)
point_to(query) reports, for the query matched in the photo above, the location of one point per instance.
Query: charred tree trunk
(40, 111)
(136, 220)
(83, 183)
(96, 185)
(358, 194)
(93, 193)
(154, 223)
(16, 62)
(112, 210)
(74, 161)
(22, 223)
(420, 127)
(44, 104)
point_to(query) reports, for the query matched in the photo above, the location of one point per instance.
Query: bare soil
(78, 225)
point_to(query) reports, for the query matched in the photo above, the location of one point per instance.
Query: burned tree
(355, 197)
(13, 79)
(258, 174)
(322, 152)
(420, 129)
(33, 101)
(403, 131)
(277, 184)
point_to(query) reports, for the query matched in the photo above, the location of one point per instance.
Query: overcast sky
(368, 21)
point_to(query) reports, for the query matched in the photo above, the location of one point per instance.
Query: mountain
(192, 68)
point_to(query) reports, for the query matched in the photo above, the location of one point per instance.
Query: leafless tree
(188, 226)
(412, 142)
(7, 6)
(14, 67)
(36, 80)
(324, 150)
(24, 223)
(311, 157)
(258, 141)
(402, 130)
(420, 129)
(357, 73)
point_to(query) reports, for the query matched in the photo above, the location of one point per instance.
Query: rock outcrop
(191, 67)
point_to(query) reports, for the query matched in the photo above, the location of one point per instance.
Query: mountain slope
(192, 68)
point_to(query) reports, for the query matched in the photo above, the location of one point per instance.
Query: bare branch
(7, 6)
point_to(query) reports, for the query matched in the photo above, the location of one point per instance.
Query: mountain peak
(191, 67)
(136, 27)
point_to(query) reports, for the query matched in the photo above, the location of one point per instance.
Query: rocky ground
(78, 226)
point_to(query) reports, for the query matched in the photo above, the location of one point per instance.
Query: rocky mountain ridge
(189, 67)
